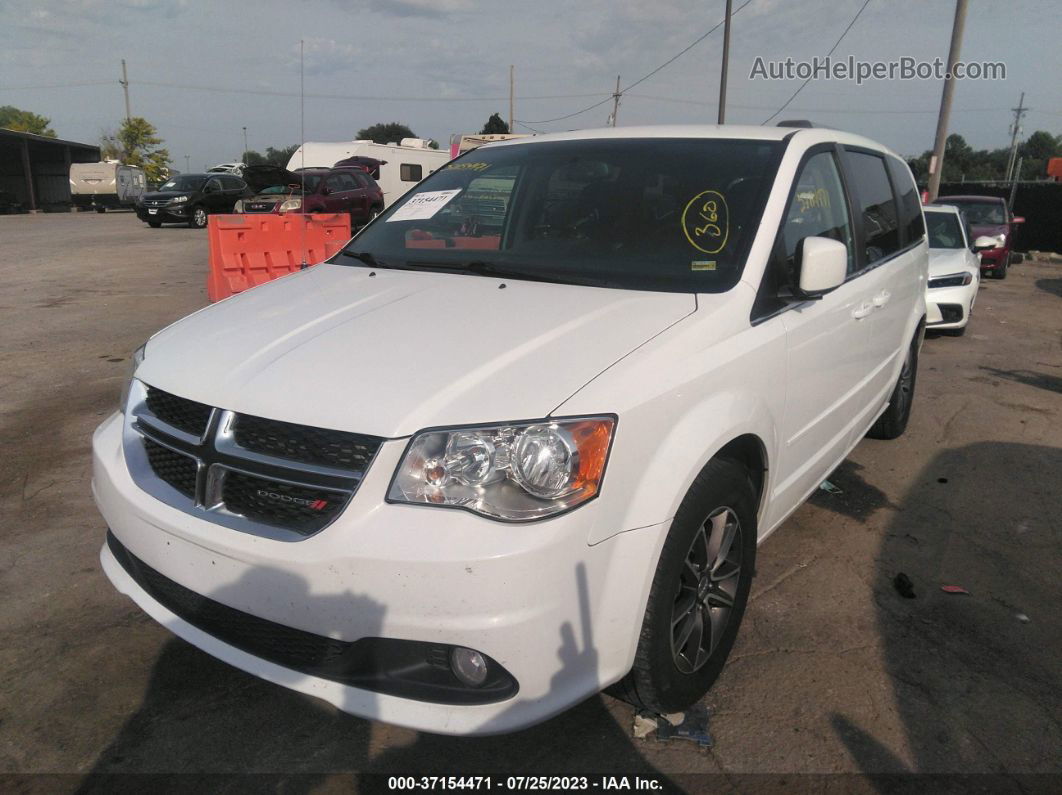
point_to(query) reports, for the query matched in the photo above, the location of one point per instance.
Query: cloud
(420, 8)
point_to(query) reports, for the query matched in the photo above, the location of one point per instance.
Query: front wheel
(101, 210)
(893, 422)
(198, 218)
(699, 592)
(1001, 271)
(154, 224)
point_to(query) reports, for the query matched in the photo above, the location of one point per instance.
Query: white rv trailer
(108, 183)
(403, 164)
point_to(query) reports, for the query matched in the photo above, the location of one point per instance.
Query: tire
(154, 224)
(955, 332)
(1001, 271)
(101, 210)
(893, 422)
(198, 217)
(668, 676)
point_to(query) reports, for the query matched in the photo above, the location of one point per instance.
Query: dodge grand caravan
(518, 441)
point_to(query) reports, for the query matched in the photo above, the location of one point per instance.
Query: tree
(494, 126)
(137, 144)
(386, 133)
(272, 157)
(13, 118)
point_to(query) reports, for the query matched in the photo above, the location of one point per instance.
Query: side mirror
(1017, 219)
(822, 265)
(984, 242)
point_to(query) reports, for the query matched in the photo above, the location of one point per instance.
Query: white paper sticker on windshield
(424, 205)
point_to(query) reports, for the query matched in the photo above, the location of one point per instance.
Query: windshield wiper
(484, 268)
(366, 257)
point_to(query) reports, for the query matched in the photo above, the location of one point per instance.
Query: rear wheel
(893, 422)
(198, 218)
(699, 592)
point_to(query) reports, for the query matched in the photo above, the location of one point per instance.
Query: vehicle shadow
(974, 677)
(204, 725)
(857, 498)
(1053, 286)
(1052, 383)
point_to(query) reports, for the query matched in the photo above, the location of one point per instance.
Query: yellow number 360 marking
(706, 221)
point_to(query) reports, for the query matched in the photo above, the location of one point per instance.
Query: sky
(201, 71)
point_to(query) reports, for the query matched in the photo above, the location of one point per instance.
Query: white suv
(519, 440)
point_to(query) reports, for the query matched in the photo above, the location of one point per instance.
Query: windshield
(184, 183)
(945, 231)
(983, 213)
(646, 214)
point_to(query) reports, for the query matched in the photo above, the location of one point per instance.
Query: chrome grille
(277, 479)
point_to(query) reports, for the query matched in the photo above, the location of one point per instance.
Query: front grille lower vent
(303, 509)
(278, 479)
(177, 469)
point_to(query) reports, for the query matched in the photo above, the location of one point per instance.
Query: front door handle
(882, 298)
(862, 310)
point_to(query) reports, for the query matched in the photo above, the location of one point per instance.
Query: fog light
(468, 666)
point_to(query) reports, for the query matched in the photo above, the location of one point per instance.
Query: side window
(213, 184)
(411, 172)
(910, 205)
(362, 180)
(348, 182)
(334, 184)
(818, 208)
(875, 204)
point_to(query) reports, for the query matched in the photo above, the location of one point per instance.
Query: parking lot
(834, 672)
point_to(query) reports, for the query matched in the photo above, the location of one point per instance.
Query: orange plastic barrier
(248, 250)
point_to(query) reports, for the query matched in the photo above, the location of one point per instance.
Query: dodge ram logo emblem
(316, 505)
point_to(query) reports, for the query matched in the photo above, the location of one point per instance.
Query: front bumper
(562, 617)
(166, 215)
(949, 307)
(994, 258)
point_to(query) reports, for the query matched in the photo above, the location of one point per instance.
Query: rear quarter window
(911, 220)
(875, 205)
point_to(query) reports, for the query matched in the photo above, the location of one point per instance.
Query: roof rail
(795, 123)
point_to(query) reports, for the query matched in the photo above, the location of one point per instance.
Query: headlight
(134, 363)
(238, 207)
(1001, 239)
(290, 204)
(178, 199)
(952, 280)
(514, 472)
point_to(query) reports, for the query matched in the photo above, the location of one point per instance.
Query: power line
(702, 103)
(620, 92)
(834, 47)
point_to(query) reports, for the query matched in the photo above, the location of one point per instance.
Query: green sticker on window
(702, 265)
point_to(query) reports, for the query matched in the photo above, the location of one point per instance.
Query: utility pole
(125, 87)
(726, 60)
(1015, 131)
(1014, 184)
(936, 163)
(244, 145)
(510, 97)
(615, 103)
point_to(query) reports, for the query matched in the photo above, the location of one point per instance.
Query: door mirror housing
(984, 242)
(821, 266)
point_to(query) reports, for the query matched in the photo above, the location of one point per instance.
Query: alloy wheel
(706, 590)
(199, 216)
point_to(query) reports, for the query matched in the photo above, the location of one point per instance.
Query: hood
(165, 194)
(259, 178)
(943, 261)
(393, 353)
(992, 230)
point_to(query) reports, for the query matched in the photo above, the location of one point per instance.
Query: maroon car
(989, 215)
(327, 190)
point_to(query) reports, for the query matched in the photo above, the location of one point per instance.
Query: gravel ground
(834, 673)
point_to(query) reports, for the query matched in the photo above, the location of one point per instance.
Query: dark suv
(190, 198)
(328, 190)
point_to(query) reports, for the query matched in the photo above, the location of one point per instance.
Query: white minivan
(518, 441)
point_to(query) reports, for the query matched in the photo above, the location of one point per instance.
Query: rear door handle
(862, 310)
(882, 298)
